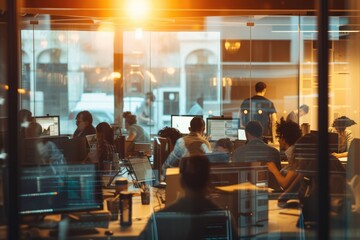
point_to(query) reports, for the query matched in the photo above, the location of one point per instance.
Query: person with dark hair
(84, 125)
(305, 186)
(47, 153)
(136, 133)
(171, 133)
(192, 144)
(288, 132)
(223, 145)
(145, 110)
(194, 179)
(256, 150)
(295, 114)
(345, 135)
(260, 109)
(105, 148)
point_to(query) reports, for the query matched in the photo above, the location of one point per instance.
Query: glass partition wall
(208, 70)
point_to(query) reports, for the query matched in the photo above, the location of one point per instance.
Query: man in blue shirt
(192, 144)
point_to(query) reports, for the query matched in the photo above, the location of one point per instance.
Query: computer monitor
(222, 127)
(241, 134)
(182, 122)
(50, 125)
(60, 188)
(161, 152)
(140, 166)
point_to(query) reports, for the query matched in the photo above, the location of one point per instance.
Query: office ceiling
(165, 14)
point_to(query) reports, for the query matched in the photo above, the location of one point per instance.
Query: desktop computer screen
(60, 188)
(222, 128)
(182, 123)
(50, 125)
(241, 134)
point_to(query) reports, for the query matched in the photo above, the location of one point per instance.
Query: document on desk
(241, 186)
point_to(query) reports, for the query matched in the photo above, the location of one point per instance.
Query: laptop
(141, 168)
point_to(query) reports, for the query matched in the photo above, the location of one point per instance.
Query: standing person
(136, 133)
(296, 114)
(197, 107)
(288, 132)
(256, 150)
(84, 125)
(345, 136)
(145, 110)
(192, 144)
(260, 109)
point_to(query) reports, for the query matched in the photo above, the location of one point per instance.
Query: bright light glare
(138, 9)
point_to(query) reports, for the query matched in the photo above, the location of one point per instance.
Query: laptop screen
(141, 167)
(50, 125)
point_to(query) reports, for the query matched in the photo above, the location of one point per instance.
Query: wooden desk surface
(282, 223)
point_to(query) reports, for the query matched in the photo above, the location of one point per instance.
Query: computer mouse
(109, 232)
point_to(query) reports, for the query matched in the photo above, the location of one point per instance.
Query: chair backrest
(353, 161)
(207, 225)
(162, 149)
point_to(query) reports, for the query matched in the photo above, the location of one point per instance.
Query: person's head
(25, 117)
(104, 132)
(260, 87)
(33, 130)
(194, 173)
(288, 132)
(125, 114)
(253, 130)
(197, 124)
(83, 119)
(341, 123)
(303, 110)
(130, 120)
(171, 133)
(223, 145)
(150, 98)
(200, 101)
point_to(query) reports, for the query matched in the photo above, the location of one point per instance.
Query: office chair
(176, 225)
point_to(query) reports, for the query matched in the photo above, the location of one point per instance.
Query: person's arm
(284, 181)
(131, 136)
(174, 157)
(340, 155)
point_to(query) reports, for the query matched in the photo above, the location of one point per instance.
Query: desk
(279, 225)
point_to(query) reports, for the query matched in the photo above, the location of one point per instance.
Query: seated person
(105, 148)
(171, 133)
(194, 179)
(256, 150)
(288, 132)
(136, 133)
(84, 125)
(223, 145)
(345, 136)
(47, 152)
(192, 144)
(306, 151)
